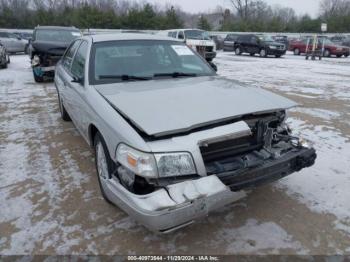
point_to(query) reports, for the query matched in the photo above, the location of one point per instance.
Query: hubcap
(102, 167)
(238, 51)
(262, 53)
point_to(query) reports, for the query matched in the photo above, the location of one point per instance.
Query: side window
(174, 34)
(68, 57)
(253, 40)
(181, 35)
(78, 64)
(170, 34)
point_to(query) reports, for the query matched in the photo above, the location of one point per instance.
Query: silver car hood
(163, 107)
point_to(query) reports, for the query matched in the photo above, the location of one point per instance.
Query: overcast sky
(300, 6)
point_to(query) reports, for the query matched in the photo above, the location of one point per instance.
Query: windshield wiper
(125, 77)
(175, 74)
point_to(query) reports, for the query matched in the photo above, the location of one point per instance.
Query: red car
(330, 48)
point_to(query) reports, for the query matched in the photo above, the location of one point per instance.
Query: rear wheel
(104, 164)
(327, 53)
(238, 51)
(263, 53)
(296, 51)
(64, 114)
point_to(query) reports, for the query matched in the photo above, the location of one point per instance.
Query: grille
(229, 148)
(201, 49)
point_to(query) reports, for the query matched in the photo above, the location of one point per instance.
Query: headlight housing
(156, 165)
(35, 60)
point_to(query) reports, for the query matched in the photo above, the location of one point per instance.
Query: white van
(197, 39)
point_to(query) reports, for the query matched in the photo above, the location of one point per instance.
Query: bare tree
(331, 8)
(242, 8)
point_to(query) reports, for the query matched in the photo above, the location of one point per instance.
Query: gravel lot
(50, 201)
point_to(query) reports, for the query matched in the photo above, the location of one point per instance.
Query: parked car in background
(47, 47)
(196, 39)
(229, 42)
(4, 57)
(13, 43)
(173, 140)
(218, 40)
(24, 35)
(259, 44)
(281, 39)
(343, 40)
(329, 48)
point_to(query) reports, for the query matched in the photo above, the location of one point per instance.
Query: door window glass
(78, 64)
(68, 57)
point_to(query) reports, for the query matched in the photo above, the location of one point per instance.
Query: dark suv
(259, 44)
(47, 47)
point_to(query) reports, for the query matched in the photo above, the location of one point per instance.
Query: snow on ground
(325, 186)
(50, 201)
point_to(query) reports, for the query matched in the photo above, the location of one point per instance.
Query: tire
(278, 56)
(296, 51)
(263, 53)
(252, 54)
(327, 53)
(339, 56)
(238, 51)
(347, 55)
(8, 59)
(64, 114)
(38, 79)
(104, 164)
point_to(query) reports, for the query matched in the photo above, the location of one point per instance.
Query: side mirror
(214, 66)
(79, 80)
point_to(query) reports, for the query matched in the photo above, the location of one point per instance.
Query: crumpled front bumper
(175, 206)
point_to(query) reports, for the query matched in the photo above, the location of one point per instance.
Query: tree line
(241, 15)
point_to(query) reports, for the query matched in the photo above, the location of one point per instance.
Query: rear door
(64, 76)
(229, 42)
(77, 89)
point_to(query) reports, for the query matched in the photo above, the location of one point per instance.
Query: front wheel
(296, 51)
(327, 53)
(104, 164)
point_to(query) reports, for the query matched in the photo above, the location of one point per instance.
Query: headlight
(272, 47)
(175, 164)
(155, 165)
(35, 60)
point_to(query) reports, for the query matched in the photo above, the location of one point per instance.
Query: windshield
(197, 34)
(266, 38)
(132, 60)
(63, 36)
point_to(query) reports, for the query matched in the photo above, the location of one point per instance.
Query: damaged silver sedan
(173, 140)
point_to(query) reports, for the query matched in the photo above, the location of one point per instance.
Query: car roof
(127, 36)
(57, 28)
